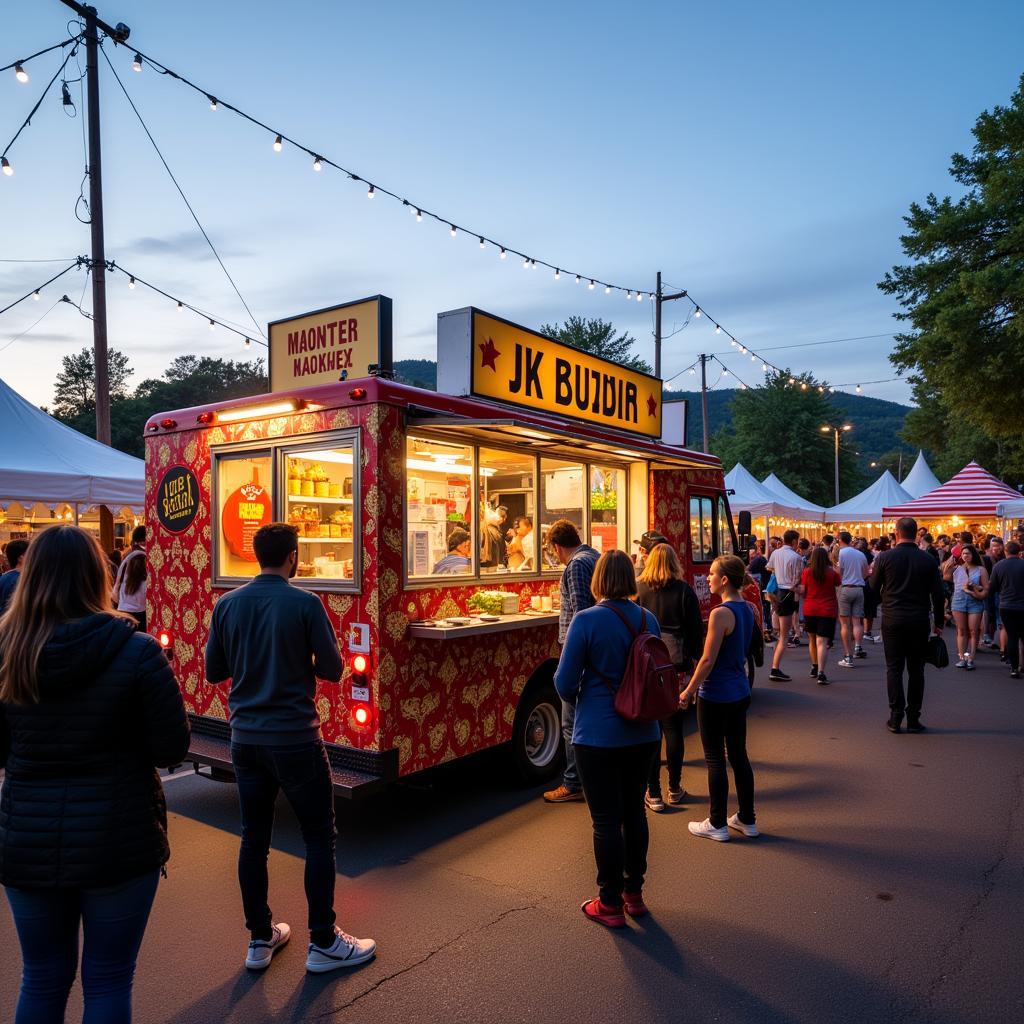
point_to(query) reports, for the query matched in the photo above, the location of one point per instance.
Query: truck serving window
(320, 502)
(701, 527)
(439, 508)
(561, 497)
(608, 497)
(507, 514)
(245, 502)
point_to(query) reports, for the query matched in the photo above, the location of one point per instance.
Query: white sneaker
(962, 663)
(870, 637)
(261, 951)
(345, 951)
(877, 638)
(750, 831)
(705, 830)
(846, 662)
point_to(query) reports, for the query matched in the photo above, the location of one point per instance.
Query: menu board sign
(318, 347)
(245, 511)
(177, 499)
(518, 366)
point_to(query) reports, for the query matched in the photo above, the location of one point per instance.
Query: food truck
(421, 520)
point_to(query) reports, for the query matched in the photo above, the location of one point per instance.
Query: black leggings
(672, 730)
(613, 780)
(1013, 623)
(723, 727)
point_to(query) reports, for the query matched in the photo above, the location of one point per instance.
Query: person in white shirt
(130, 581)
(853, 568)
(787, 566)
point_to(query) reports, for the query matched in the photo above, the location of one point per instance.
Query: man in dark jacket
(15, 554)
(273, 641)
(910, 585)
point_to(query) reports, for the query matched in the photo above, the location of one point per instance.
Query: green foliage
(75, 388)
(420, 373)
(962, 297)
(597, 337)
(777, 429)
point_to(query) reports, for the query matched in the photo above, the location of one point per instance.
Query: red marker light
(153, 427)
(205, 417)
(168, 424)
(360, 664)
(357, 393)
(164, 638)
(361, 714)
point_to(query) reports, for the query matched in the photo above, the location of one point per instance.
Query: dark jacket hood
(82, 649)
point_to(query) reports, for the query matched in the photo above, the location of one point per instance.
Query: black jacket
(82, 805)
(910, 584)
(677, 609)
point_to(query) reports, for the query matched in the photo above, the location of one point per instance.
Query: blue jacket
(593, 657)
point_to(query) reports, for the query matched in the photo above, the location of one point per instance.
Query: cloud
(185, 243)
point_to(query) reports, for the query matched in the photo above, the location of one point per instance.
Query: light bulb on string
(278, 144)
(503, 255)
(693, 372)
(725, 373)
(35, 295)
(696, 313)
(181, 306)
(803, 385)
(743, 349)
(591, 285)
(137, 62)
(5, 166)
(481, 242)
(858, 389)
(212, 325)
(639, 296)
(764, 367)
(526, 263)
(732, 342)
(419, 216)
(718, 330)
(131, 281)
(369, 192)
(558, 274)
(20, 74)
(317, 163)
(753, 358)
(607, 289)
(578, 278)
(213, 102)
(453, 232)
(792, 380)
(629, 295)
(248, 343)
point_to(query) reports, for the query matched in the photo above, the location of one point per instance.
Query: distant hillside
(876, 422)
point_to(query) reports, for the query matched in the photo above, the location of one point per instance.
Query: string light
(5, 166)
(607, 289)
(858, 389)
(278, 144)
(131, 281)
(718, 329)
(453, 231)
(577, 278)
(591, 285)
(212, 325)
(504, 255)
(419, 216)
(213, 102)
(629, 295)
(20, 74)
(526, 263)
(137, 62)
(316, 163)
(35, 295)
(558, 274)
(639, 296)
(248, 342)
(369, 193)
(481, 241)
(696, 313)
(181, 306)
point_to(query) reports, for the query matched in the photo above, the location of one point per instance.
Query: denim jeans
(48, 920)
(570, 777)
(302, 772)
(614, 779)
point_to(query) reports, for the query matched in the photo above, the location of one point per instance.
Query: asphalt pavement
(888, 885)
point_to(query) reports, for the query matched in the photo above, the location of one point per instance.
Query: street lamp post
(837, 431)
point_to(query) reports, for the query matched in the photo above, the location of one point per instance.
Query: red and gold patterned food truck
(449, 648)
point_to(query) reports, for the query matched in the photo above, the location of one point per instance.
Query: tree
(75, 387)
(599, 339)
(777, 429)
(963, 295)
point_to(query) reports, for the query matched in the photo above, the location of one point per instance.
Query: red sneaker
(610, 917)
(633, 904)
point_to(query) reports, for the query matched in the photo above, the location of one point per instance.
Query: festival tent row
(749, 495)
(920, 480)
(968, 501)
(867, 510)
(808, 510)
(50, 473)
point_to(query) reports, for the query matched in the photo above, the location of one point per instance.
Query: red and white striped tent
(972, 493)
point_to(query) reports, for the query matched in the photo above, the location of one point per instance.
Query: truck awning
(564, 442)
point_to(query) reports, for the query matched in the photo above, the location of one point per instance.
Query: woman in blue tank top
(723, 696)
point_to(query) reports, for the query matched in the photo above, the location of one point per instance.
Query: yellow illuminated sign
(318, 347)
(512, 364)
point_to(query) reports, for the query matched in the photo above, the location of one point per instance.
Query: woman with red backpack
(723, 696)
(613, 754)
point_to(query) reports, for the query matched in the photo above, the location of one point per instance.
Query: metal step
(211, 745)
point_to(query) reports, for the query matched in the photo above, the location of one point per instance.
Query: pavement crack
(429, 955)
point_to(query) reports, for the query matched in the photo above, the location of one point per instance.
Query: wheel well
(543, 675)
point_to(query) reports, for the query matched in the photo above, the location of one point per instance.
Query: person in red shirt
(818, 586)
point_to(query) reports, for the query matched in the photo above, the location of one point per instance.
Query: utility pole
(704, 400)
(97, 263)
(659, 298)
(837, 431)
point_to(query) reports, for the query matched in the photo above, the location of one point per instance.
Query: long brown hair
(64, 577)
(662, 565)
(134, 572)
(819, 564)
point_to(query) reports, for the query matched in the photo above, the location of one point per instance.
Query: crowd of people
(89, 709)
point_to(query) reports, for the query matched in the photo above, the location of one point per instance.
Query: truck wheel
(537, 734)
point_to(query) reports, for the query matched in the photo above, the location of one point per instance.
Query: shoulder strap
(629, 625)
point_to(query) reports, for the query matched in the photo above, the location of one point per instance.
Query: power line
(181, 192)
(811, 344)
(24, 60)
(32, 327)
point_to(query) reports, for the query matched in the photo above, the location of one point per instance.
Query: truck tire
(537, 749)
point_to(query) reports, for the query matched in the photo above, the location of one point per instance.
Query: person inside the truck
(520, 547)
(457, 561)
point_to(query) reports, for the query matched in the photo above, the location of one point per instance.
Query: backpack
(649, 690)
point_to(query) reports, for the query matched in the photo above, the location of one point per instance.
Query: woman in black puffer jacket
(88, 709)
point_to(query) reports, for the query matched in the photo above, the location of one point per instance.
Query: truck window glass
(608, 508)
(244, 504)
(561, 497)
(506, 498)
(439, 514)
(321, 492)
(701, 529)
(724, 532)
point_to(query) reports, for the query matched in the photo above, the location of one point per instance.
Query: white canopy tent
(920, 480)
(753, 497)
(44, 461)
(808, 509)
(1011, 510)
(867, 506)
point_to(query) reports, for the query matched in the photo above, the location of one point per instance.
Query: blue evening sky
(760, 155)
